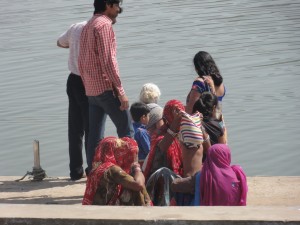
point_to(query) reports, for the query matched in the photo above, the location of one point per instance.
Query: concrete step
(271, 200)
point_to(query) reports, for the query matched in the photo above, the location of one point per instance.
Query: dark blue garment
(184, 199)
(200, 86)
(142, 137)
(187, 199)
(78, 124)
(220, 98)
(99, 107)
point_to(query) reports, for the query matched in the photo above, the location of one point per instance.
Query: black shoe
(87, 171)
(78, 177)
(77, 174)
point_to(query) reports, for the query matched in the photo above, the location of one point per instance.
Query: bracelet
(207, 139)
(172, 133)
(136, 165)
(137, 169)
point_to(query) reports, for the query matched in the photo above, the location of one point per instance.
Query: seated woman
(193, 141)
(110, 182)
(165, 148)
(218, 183)
(164, 161)
(207, 106)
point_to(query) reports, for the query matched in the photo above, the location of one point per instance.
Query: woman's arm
(121, 177)
(211, 84)
(137, 173)
(193, 97)
(184, 185)
(206, 140)
(172, 131)
(223, 139)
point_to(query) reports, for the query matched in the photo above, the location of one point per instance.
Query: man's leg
(75, 131)
(97, 118)
(121, 119)
(82, 101)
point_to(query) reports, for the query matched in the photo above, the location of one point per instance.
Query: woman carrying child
(209, 79)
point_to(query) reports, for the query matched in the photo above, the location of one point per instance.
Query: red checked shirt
(97, 60)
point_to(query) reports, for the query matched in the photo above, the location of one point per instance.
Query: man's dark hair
(137, 110)
(100, 5)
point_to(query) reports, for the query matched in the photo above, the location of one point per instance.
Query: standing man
(100, 73)
(78, 118)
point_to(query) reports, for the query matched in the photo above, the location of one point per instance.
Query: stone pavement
(263, 191)
(271, 200)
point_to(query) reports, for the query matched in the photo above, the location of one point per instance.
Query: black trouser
(77, 124)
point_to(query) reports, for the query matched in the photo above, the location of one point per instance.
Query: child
(207, 106)
(140, 114)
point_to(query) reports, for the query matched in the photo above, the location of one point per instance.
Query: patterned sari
(112, 153)
(172, 158)
(164, 166)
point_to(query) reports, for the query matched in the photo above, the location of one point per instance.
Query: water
(256, 45)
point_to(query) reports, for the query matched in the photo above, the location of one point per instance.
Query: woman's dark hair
(100, 5)
(137, 110)
(205, 65)
(205, 104)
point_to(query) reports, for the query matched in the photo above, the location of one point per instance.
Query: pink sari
(222, 184)
(110, 151)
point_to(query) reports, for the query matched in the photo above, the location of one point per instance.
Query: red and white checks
(97, 60)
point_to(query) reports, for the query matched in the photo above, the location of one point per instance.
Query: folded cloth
(190, 132)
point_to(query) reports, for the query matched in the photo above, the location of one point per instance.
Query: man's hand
(124, 102)
(60, 45)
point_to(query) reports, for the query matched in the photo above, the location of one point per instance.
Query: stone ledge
(117, 215)
(271, 200)
(263, 191)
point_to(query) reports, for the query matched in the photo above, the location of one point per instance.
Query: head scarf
(222, 184)
(169, 108)
(155, 114)
(174, 158)
(110, 151)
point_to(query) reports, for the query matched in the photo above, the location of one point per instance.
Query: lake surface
(256, 45)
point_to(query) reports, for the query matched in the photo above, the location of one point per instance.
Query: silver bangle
(207, 139)
(172, 133)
